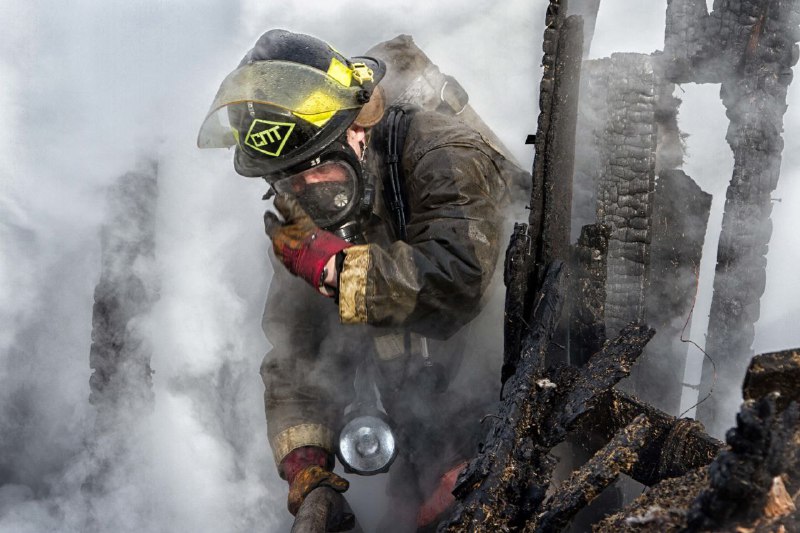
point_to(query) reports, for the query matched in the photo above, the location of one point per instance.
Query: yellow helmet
(291, 96)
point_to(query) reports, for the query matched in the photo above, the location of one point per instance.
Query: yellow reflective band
(236, 135)
(316, 103)
(268, 137)
(340, 72)
(317, 119)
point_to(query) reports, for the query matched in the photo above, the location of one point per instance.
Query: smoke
(709, 161)
(87, 91)
(90, 88)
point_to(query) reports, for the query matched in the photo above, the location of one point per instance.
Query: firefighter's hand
(309, 479)
(303, 247)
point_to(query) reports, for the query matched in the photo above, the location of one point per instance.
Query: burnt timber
(120, 356)
(751, 486)
(658, 217)
(507, 482)
(121, 383)
(749, 47)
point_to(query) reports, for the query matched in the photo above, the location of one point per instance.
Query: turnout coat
(394, 297)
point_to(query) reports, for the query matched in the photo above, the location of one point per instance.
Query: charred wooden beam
(582, 395)
(616, 457)
(492, 489)
(675, 447)
(524, 261)
(626, 188)
(774, 372)
(553, 166)
(616, 164)
(764, 447)
(558, 158)
(760, 51)
(587, 320)
(689, 43)
(516, 276)
(119, 355)
(660, 509)
(554, 163)
(680, 217)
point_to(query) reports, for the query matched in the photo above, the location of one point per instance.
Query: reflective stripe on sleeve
(353, 285)
(295, 437)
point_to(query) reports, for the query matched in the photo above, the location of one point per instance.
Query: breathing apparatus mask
(333, 189)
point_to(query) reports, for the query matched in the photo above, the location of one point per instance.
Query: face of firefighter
(329, 191)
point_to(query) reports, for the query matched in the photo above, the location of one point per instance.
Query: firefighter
(380, 261)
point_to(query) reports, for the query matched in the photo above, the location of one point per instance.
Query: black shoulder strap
(394, 193)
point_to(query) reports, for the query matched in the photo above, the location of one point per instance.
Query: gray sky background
(89, 87)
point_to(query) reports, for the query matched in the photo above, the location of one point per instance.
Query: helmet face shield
(298, 90)
(329, 192)
(282, 113)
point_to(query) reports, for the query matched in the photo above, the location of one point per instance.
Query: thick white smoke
(87, 91)
(90, 87)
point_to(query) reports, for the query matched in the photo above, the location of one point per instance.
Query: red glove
(306, 469)
(302, 246)
(441, 499)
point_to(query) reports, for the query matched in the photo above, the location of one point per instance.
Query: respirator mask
(333, 190)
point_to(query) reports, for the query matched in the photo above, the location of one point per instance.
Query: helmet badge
(268, 137)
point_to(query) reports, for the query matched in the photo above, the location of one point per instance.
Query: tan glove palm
(309, 479)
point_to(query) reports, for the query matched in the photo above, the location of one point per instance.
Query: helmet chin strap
(363, 147)
(270, 192)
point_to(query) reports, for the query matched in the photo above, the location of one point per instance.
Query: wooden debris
(492, 488)
(774, 372)
(779, 502)
(696, 483)
(675, 447)
(764, 444)
(618, 456)
(507, 482)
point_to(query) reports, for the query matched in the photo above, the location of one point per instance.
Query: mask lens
(327, 191)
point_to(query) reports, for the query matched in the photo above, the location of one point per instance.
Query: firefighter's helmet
(291, 97)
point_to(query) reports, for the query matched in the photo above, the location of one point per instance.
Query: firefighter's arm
(432, 283)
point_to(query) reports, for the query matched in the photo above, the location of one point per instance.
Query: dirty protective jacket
(391, 292)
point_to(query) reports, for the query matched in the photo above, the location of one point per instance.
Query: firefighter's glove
(299, 243)
(307, 468)
(309, 479)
